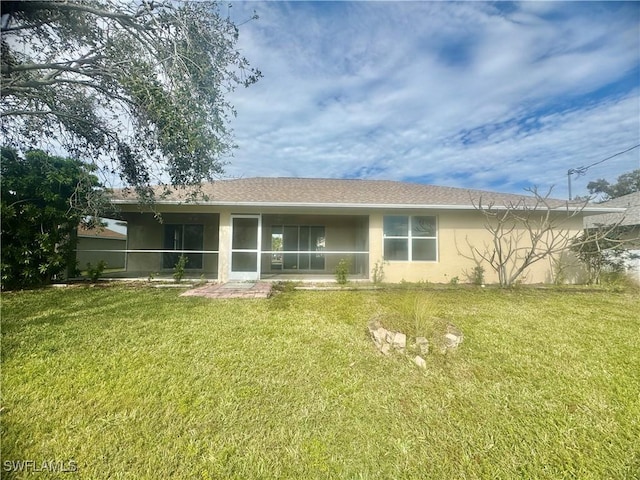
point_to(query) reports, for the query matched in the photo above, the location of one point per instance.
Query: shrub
(96, 272)
(43, 199)
(377, 274)
(342, 271)
(618, 281)
(478, 275)
(178, 270)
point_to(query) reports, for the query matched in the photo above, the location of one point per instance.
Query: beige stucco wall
(458, 232)
(224, 259)
(345, 230)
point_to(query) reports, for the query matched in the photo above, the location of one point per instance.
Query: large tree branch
(154, 73)
(32, 86)
(14, 7)
(66, 65)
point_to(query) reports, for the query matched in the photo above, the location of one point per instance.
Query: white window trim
(409, 238)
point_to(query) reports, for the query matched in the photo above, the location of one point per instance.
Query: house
(261, 228)
(101, 243)
(629, 225)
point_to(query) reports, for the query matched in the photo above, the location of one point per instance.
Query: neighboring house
(101, 243)
(629, 221)
(256, 228)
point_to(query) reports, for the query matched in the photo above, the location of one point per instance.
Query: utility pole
(571, 171)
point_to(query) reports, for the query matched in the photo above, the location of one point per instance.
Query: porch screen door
(245, 246)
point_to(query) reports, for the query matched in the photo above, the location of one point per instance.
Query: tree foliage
(627, 183)
(603, 248)
(44, 199)
(138, 87)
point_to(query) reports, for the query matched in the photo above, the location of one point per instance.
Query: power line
(582, 170)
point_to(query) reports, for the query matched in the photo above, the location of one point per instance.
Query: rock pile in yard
(388, 341)
(385, 339)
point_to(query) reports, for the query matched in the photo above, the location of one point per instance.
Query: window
(410, 238)
(183, 237)
(302, 246)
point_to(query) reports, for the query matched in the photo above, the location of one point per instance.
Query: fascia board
(370, 206)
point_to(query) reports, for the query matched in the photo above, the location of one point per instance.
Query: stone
(423, 345)
(453, 337)
(377, 332)
(399, 341)
(451, 340)
(390, 336)
(419, 361)
(379, 336)
(374, 324)
(386, 340)
(451, 328)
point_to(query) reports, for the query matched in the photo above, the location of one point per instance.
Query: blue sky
(497, 96)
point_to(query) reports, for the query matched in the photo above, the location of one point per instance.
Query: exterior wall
(112, 259)
(224, 262)
(457, 232)
(345, 230)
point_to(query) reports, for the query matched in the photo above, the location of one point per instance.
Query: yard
(136, 382)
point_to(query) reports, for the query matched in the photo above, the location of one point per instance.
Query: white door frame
(246, 276)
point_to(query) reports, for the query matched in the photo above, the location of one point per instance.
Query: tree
(525, 232)
(604, 248)
(627, 183)
(44, 199)
(136, 87)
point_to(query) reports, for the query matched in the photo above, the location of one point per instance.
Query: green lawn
(135, 382)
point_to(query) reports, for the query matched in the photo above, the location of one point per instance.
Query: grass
(133, 382)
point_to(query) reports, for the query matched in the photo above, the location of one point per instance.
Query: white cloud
(455, 94)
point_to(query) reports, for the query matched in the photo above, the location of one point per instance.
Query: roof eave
(374, 206)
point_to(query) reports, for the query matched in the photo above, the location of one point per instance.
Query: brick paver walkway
(231, 290)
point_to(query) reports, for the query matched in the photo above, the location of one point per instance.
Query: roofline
(82, 235)
(377, 206)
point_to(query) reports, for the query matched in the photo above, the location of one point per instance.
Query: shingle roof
(338, 192)
(102, 232)
(631, 217)
(325, 192)
(335, 191)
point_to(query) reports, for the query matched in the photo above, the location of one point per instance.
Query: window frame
(170, 251)
(410, 238)
(310, 254)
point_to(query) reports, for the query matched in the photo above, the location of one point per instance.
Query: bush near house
(44, 199)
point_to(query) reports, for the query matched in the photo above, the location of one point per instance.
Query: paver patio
(231, 290)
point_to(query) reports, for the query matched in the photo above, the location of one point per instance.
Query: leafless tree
(524, 232)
